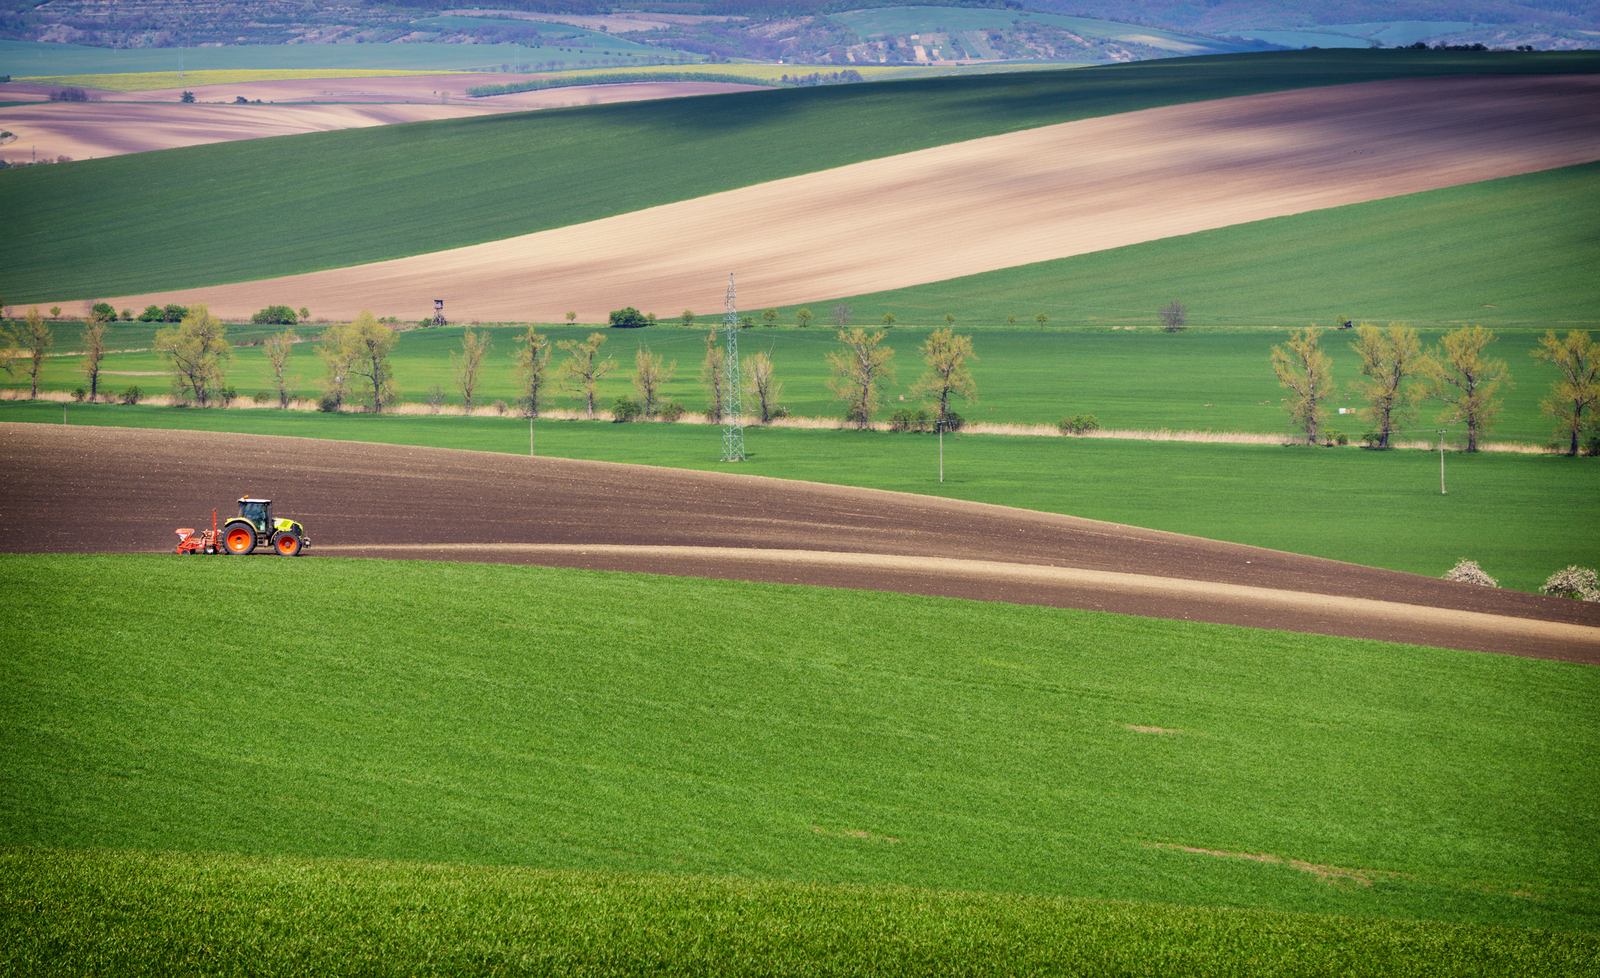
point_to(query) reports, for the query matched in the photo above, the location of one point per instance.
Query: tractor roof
(247, 499)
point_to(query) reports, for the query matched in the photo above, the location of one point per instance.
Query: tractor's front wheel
(288, 544)
(239, 539)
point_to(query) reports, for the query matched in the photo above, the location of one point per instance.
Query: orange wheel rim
(286, 544)
(238, 540)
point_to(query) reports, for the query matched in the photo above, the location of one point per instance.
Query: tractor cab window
(254, 512)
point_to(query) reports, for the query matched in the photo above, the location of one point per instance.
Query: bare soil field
(985, 204)
(362, 500)
(134, 122)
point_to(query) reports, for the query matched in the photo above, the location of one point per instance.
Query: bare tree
(1174, 316)
(94, 351)
(649, 374)
(841, 315)
(946, 355)
(278, 349)
(370, 343)
(713, 374)
(1306, 372)
(758, 373)
(860, 372)
(197, 350)
(532, 366)
(1577, 391)
(474, 347)
(1459, 375)
(1388, 357)
(583, 368)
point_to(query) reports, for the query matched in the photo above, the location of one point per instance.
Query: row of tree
(1398, 375)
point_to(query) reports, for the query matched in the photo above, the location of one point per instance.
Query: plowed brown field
(92, 490)
(86, 130)
(983, 205)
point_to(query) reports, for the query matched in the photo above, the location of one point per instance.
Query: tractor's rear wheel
(288, 544)
(239, 539)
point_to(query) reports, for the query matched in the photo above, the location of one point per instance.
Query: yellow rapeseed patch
(152, 80)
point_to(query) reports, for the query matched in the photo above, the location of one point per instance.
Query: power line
(732, 410)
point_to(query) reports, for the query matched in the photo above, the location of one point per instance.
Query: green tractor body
(255, 525)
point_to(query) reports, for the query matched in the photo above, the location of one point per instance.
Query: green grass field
(1522, 517)
(587, 721)
(1205, 379)
(260, 208)
(24, 59)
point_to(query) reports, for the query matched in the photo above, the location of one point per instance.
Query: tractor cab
(255, 524)
(257, 511)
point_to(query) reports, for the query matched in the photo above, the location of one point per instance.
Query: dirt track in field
(982, 205)
(136, 122)
(360, 500)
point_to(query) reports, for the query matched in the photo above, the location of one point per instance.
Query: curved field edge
(1517, 251)
(1522, 517)
(257, 209)
(581, 720)
(96, 911)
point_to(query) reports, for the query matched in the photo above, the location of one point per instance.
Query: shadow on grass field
(1522, 517)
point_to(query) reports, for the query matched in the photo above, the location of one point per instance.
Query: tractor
(241, 534)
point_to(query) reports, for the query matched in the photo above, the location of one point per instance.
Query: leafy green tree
(713, 376)
(769, 316)
(803, 317)
(198, 354)
(946, 355)
(370, 343)
(570, 317)
(187, 97)
(1577, 391)
(1306, 372)
(36, 336)
(55, 312)
(336, 353)
(1011, 320)
(151, 314)
(1465, 380)
(94, 351)
(583, 369)
(949, 319)
(468, 367)
(860, 372)
(127, 315)
(531, 363)
(173, 313)
(1388, 357)
(278, 349)
(1041, 319)
(305, 314)
(687, 318)
(628, 318)
(649, 374)
(105, 311)
(758, 375)
(889, 319)
(276, 315)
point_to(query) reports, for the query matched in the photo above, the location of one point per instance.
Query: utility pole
(940, 425)
(1441, 460)
(732, 410)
